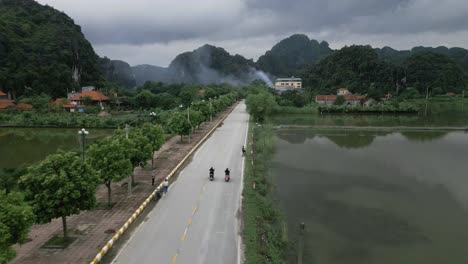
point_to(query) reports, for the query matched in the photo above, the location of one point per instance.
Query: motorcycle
(211, 176)
(227, 178)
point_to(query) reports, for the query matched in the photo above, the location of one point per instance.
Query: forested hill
(43, 51)
(459, 55)
(292, 54)
(210, 64)
(118, 72)
(360, 69)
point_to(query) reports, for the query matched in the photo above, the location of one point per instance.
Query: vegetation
(60, 186)
(390, 107)
(291, 54)
(360, 69)
(16, 218)
(109, 160)
(155, 135)
(31, 34)
(260, 105)
(263, 232)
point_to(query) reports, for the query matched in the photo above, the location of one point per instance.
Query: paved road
(197, 220)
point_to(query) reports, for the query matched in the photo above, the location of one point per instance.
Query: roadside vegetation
(63, 184)
(264, 237)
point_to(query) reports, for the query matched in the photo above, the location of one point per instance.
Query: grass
(58, 242)
(296, 110)
(263, 231)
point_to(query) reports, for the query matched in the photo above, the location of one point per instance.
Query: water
(374, 196)
(20, 147)
(439, 114)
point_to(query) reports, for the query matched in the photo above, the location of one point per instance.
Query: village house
(95, 97)
(65, 104)
(3, 96)
(350, 99)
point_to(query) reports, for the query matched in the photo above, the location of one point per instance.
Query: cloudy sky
(155, 31)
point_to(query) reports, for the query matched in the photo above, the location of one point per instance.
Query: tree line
(64, 184)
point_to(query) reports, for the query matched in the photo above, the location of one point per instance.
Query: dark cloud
(157, 24)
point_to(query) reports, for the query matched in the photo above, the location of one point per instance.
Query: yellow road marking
(190, 220)
(174, 259)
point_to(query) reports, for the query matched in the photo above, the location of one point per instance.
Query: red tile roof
(23, 106)
(68, 106)
(326, 97)
(2, 93)
(95, 96)
(4, 103)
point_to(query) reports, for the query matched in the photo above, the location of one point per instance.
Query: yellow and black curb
(140, 209)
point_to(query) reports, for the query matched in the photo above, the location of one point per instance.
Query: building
(350, 99)
(343, 91)
(96, 97)
(24, 106)
(3, 96)
(65, 104)
(6, 104)
(288, 83)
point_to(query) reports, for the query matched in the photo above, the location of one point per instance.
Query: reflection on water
(353, 138)
(375, 197)
(20, 147)
(446, 114)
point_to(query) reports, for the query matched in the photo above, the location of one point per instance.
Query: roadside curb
(148, 200)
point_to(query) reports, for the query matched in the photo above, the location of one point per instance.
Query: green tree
(108, 158)
(60, 186)
(260, 105)
(140, 152)
(9, 178)
(145, 99)
(16, 218)
(155, 135)
(340, 100)
(179, 124)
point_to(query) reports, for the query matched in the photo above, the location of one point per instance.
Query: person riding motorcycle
(211, 171)
(243, 151)
(227, 172)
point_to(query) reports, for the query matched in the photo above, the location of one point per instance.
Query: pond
(438, 114)
(374, 196)
(20, 147)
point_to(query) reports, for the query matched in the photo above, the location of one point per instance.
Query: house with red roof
(6, 104)
(3, 96)
(350, 99)
(88, 93)
(65, 104)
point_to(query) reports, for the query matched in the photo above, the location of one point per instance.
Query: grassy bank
(263, 231)
(313, 109)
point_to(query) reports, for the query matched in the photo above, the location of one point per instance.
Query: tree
(340, 100)
(108, 158)
(16, 218)
(155, 135)
(179, 124)
(427, 70)
(140, 150)
(145, 99)
(9, 178)
(260, 105)
(60, 186)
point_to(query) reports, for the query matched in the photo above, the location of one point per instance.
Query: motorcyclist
(227, 172)
(243, 151)
(211, 171)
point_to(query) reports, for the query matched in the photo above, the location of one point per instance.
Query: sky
(155, 31)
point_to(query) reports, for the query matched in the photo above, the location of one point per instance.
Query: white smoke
(264, 77)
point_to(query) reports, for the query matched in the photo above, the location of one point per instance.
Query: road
(197, 221)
